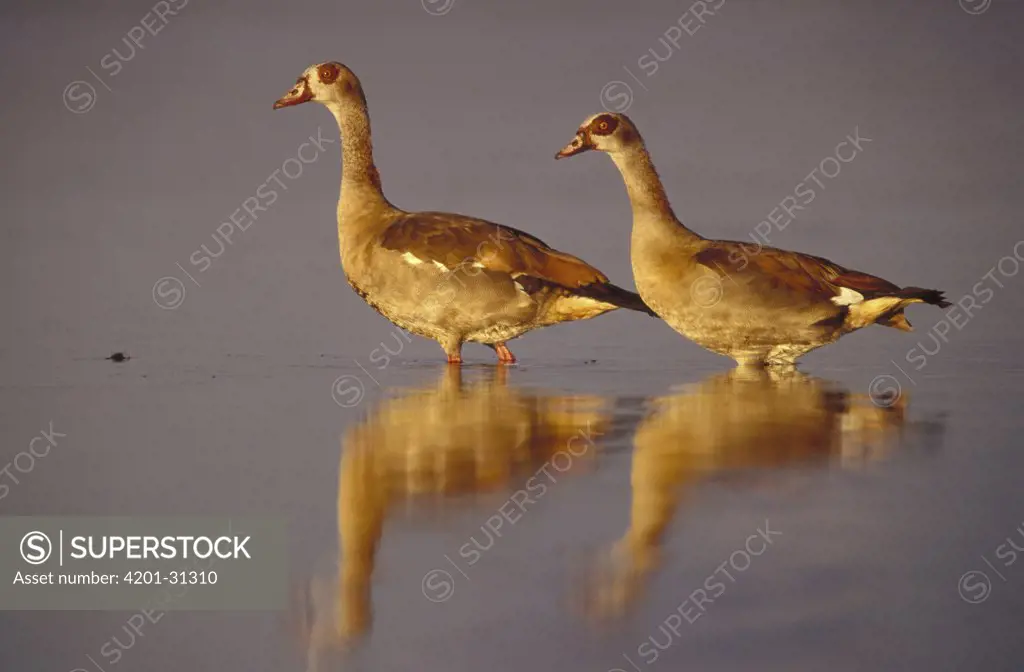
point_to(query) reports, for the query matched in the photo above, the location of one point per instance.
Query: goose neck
(646, 193)
(360, 180)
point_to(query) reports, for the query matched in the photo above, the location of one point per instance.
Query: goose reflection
(426, 446)
(744, 419)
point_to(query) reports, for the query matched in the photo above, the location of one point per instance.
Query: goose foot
(453, 348)
(505, 355)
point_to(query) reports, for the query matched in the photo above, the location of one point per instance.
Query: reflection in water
(459, 439)
(743, 419)
(449, 439)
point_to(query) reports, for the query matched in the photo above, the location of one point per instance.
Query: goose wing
(455, 242)
(771, 271)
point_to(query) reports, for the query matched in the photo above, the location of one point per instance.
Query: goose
(761, 307)
(444, 276)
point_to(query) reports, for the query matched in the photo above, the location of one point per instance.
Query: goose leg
(453, 348)
(505, 355)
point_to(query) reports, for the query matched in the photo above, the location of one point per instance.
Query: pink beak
(300, 93)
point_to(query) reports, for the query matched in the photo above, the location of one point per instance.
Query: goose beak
(300, 93)
(580, 143)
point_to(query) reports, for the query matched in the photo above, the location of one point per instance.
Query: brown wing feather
(773, 268)
(455, 240)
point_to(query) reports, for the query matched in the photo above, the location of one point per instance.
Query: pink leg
(505, 355)
(454, 352)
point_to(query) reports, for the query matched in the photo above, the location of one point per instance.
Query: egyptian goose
(758, 305)
(444, 276)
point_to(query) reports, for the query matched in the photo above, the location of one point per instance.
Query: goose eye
(604, 125)
(328, 73)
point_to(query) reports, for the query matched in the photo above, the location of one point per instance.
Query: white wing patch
(413, 260)
(847, 297)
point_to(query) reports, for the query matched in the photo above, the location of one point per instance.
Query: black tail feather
(930, 296)
(615, 295)
(607, 292)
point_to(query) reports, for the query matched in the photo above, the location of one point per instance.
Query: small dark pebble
(590, 361)
(119, 357)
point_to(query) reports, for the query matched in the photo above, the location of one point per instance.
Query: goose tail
(893, 315)
(617, 296)
(930, 296)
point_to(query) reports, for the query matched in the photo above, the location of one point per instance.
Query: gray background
(226, 409)
(468, 109)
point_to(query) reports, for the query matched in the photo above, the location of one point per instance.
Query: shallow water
(636, 483)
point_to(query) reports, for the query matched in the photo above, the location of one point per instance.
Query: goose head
(606, 132)
(328, 83)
